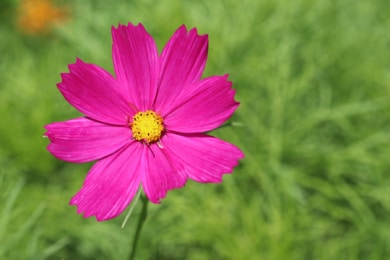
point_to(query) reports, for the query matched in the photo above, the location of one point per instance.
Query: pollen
(147, 126)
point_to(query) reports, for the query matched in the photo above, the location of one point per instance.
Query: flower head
(36, 16)
(146, 125)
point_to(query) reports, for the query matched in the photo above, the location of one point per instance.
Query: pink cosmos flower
(145, 125)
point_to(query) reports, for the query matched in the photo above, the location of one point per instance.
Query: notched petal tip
(72, 66)
(86, 214)
(49, 134)
(204, 37)
(191, 31)
(128, 26)
(72, 69)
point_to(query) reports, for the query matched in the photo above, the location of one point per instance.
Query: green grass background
(313, 79)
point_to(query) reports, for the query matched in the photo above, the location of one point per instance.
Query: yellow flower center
(147, 126)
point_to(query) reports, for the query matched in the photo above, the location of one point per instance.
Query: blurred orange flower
(37, 16)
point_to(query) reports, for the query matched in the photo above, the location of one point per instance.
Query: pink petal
(135, 60)
(205, 109)
(92, 91)
(182, 63)
(111, 184)
(204, 158)
(82, 140)
(161, 173)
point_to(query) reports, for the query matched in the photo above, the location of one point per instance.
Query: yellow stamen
(147, 126)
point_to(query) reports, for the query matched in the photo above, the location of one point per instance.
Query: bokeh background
(313, 79)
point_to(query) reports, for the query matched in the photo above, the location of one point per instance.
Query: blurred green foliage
(313, 79)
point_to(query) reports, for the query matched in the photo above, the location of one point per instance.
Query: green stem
(141, 220)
